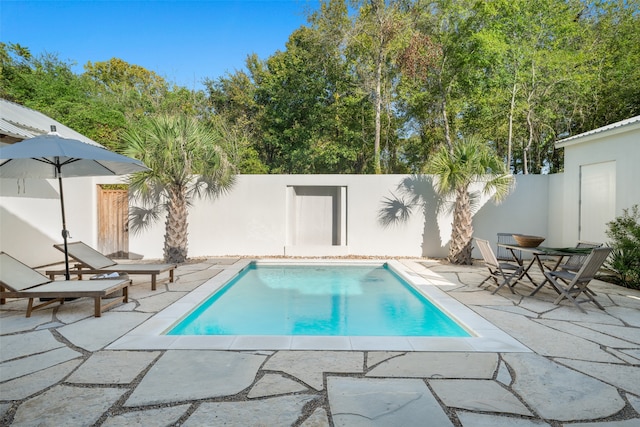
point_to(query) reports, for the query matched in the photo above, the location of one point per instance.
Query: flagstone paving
(584, 369)
(478, 395)
(383, 402)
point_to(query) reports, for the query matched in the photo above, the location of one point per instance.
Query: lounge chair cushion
(16, 276)
(87, 255)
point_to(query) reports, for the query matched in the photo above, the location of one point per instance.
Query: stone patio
(584, 369)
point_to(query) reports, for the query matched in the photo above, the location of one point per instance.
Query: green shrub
(624, 260)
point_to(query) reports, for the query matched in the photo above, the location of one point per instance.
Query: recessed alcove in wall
(317, 216)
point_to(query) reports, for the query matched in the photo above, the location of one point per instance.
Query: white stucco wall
(524, 212)
(556, 214)
(253, 218)
(31, 219)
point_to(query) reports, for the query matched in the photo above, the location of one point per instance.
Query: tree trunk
(444, 93)
(378, 102)
(445, 120)
(462, 231)
(525, 151)
(175, 238)
(512, 108)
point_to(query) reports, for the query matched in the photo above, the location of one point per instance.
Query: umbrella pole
(65, 233)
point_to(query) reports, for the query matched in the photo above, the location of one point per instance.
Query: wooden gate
(113, 222)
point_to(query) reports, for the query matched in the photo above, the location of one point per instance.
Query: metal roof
(19, 122)
(613, 126)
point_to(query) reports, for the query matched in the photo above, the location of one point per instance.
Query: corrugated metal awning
(612, 127)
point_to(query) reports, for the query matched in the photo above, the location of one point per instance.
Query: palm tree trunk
(175, 239)
(462, 232)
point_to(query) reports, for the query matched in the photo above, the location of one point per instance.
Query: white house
(601, 178)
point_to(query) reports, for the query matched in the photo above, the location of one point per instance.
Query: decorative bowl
(528, 241)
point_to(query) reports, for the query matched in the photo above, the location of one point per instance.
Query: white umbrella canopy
(52, 156)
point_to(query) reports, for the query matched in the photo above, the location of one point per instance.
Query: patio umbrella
(52, 156)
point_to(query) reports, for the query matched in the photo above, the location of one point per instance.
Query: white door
(597, 200)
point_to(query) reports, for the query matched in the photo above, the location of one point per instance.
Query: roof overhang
(18, 122)
(623, 126)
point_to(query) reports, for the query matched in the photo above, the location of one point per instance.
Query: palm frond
(146, 190)
(182, 153)
(211, 186)
(500, 185)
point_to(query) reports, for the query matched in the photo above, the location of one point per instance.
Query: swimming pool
(346, 300)
(151, 334)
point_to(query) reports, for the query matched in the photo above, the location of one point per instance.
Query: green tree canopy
(378, 86)
(47, 84)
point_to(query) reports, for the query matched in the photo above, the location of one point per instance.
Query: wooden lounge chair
(502, 273)
(18, 280)
(575, 261)
(91, 261)
(571, 285)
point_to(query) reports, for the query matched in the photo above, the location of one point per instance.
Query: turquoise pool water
(318, 300)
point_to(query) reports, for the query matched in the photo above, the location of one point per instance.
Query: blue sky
(183, 41)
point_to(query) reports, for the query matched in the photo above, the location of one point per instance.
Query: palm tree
(187, 162)
(456, 170)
